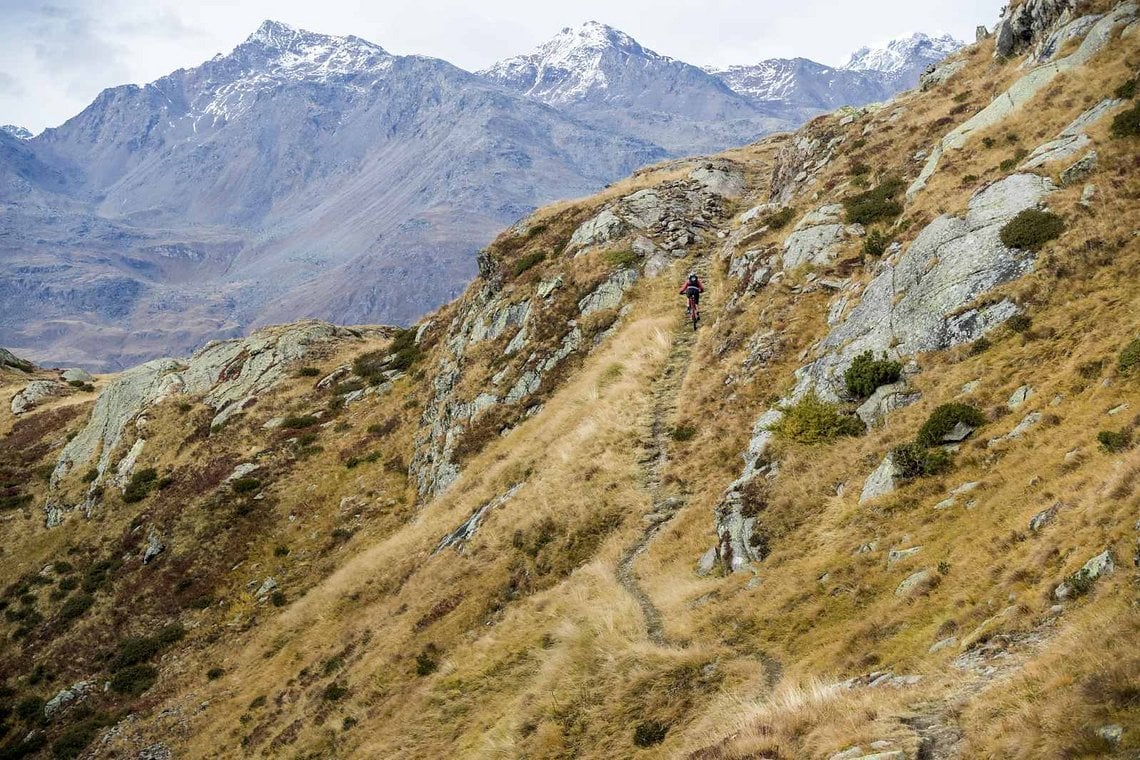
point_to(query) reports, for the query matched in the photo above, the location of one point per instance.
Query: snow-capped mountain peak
(899, 55)
(18, 132)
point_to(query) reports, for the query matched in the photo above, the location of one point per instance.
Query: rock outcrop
(9, 359)
(1027, 23)
(35, 393)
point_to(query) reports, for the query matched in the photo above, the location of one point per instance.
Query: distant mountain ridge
(307, 175)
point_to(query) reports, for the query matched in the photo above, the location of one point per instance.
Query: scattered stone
(943, 644)
(546, 287)
(707, 562)
(1117, 410)
(156, 752)
(1100, 565)
(882, 481)
(966, 488)
(719, 180)
(266, 588)
(816, 239)
(69, 697)
(154, 547)
(76, 375)
(1019, 397)
(459, 537)
(35, 393)
(338, 375)
(1088, 195)
(1111, 733)
(603, 228)
(960, 432)
(1044, 517)
(971, 387)
(914, 583)
(1080, 170)
(242, 470)
(898, 555)
(609, 294)
(885, 399)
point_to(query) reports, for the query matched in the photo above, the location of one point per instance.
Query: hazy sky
(56, 55)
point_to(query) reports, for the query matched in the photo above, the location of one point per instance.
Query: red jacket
(685, 288)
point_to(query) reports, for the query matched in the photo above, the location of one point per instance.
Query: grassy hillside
(490, 535)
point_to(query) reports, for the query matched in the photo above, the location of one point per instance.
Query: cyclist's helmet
(693, 277)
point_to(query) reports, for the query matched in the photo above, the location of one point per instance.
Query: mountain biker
(693, 288)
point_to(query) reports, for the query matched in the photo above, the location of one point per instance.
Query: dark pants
(694, 294)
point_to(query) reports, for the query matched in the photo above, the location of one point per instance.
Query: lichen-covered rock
(1080, 169)
(816, 239)
(609, 294)
(603, 228)
(914, 583)
(1072, 139)
(882, 481)
(226, 374)
(1097, 567)
(459, 537)
(719, 178)
(1024, 24)
(35, 393)
(67, 698)
(941, 74)
(154, 547)
(76, 375)
(886, 399)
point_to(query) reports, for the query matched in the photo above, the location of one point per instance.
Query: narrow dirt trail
(666, 389)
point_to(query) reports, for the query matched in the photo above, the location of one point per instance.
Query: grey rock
(76, 375)
(914, 582)
(242, 470)
(971, 387)
(156, 752)
(125, 467)
(816, 239)
(943, 644)
(268, 586)
(719, 180)
(960, 432)
(337, 376)
(1097, 567)
(1111, 733)
(154, 547)
(941, 74)
(1028, 422)
(1080, 170)
(36, 393)
(499, 320)
(1087, 195)
(882, 481)
(71, 696)
(886, 399)
(603, 228)
(706, 563)
(1044, 517)
(459, 537)
(609, 294)
(898, 555)
(9, 359)
(547, 287)
(1027, 23)
(1019, 397)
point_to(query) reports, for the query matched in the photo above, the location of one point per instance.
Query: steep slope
(229, 191)
(553, 521)
(606, 78)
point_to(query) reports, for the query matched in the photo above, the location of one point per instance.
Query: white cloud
(65, 52)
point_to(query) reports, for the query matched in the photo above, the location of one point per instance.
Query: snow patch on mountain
(18, 132)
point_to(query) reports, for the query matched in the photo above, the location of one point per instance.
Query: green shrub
(859, 144)
(980, 346)
(281, 551)
(683, 433)
(140, 485)
(1019, 323)
(1031, 229)
(90, 475)
(1126, 91)
(1080, 583)
(30, 709)
(1127, 124)
(1115, 441)
(245, 485)
(427, 661)
(867, 373)
(134, 680)
(943, 419)
(135, 650)
(347, 387)
(170, 634)
(621, 259)
(876, 242)
(528, 261)
(299, 422)
(15, 501)
(812, 420)
(98, 575)
(76, 606)
(859, 169)
(1129, 357)
(989, 142)
(257, 702)
(214, 674)
(778, 220)
(308, 372)
(649, 733)
(877, 204)
(183, 406)
(914, 461)
(335, 692)
(278, 598)
(75, 738)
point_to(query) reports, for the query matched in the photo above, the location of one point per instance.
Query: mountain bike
(693, 312)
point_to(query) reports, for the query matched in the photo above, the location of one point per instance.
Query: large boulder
(9, 359)
(1023, 25)
(35, 393)
(882, 481)
(816, 239)
(609, 294)
(603, 228)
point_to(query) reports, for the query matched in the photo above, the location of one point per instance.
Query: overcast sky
(56, 55)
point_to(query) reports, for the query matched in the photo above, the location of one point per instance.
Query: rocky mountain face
(607, 79)
(801, 88)
(226, 196)
(848, 516)
(18, 132)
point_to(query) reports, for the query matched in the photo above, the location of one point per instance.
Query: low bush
(335, 692)
(214, 674)
(876, 243)
(133, 681)
(812, 420)
(75, 738)
(75, 607)
(980, 346)
(1129, 358)
(1126, 91)
(683, 433)
(1019, 323)
(308, 372)
(1127, 124)
(528, 261)
(944, 418)
(621, 259)
(427, 661)
(90, 475)
(245, 485)
(867, 373)
(1115, 441)
(649, 733)
(140, 485)
(1031, 229)
(299, 422)
(30, 709)
(915, 461)
(278, 598)
(778, 220)
(281, 551)
(877, 204)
